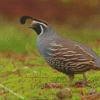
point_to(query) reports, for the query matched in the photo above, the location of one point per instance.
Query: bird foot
(81, 83)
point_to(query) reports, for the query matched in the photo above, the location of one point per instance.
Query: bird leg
(71, 77)
(85, 80)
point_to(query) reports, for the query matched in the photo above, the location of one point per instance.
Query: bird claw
(82, 83)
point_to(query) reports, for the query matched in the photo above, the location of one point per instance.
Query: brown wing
(57, 51)
(72, 58)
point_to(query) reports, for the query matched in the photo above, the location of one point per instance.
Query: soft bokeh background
(22, 69)
(75, 19)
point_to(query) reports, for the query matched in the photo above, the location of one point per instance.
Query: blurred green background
(75, 19)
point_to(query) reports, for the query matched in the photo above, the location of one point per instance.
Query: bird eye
(35, 25)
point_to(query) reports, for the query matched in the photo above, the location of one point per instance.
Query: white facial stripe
(40, 23)
(41, 29)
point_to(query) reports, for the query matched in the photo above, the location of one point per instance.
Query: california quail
(63, 54)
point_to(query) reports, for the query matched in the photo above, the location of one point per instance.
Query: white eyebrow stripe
(41, 30)
(40, 23)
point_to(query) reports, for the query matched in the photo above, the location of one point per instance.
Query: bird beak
(32, 25)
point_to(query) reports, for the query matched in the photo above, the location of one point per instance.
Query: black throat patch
(38, 29)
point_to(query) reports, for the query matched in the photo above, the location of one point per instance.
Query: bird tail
(95, 67)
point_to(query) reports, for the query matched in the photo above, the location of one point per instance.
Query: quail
(63, 54)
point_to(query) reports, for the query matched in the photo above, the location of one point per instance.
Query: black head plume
(38, 25)
(23, 19)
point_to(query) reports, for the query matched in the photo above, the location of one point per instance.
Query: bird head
(38, 25)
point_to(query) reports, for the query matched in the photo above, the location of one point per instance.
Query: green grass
(29, 84)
